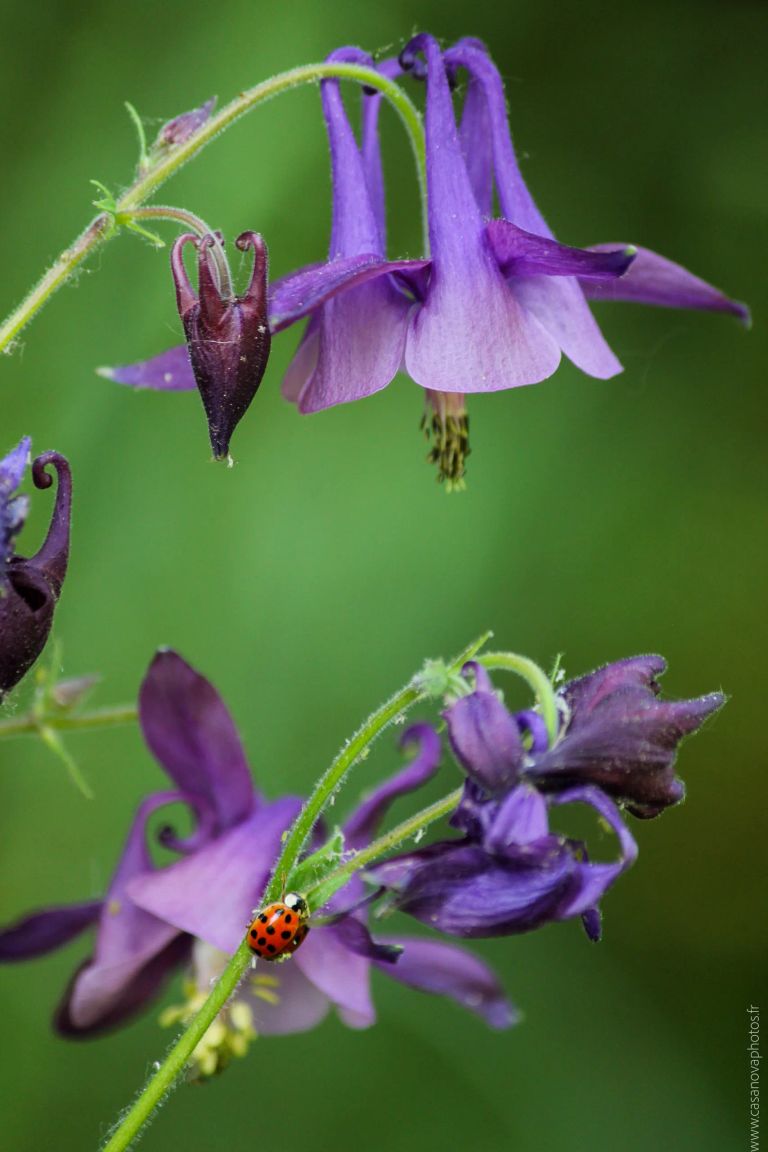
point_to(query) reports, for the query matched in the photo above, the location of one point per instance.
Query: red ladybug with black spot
(279, 929)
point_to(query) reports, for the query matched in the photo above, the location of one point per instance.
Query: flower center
(446, 425)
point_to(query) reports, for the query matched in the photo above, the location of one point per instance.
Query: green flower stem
(198, 225)
(322, 892)
(149, 180)
(103, 718)
(161, 1083)
(533, 675)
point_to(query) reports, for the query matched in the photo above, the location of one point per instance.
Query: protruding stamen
(446, 425)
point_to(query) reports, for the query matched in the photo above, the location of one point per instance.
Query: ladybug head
(298, 904)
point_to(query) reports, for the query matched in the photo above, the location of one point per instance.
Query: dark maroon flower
(227, 336)
(29, 588)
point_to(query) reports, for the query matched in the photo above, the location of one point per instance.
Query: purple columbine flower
(509, 872)
(153, 921)
(29, 588)
(228, 337)
(494, 303)
(178, 130)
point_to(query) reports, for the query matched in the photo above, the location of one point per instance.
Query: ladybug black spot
(271, 948)
(253, 933)
(288, 917)
(263, 918)
(262, 940)
(285, 935)
(270, 931)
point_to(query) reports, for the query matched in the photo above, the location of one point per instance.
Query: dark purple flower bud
(178, 130)
(29, 588)
(620, 736)
(227, 336)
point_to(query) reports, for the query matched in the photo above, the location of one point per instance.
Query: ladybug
(279, 929)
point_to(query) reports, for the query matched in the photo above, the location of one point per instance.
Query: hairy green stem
(322, 892)
(533, 675)
(149, 180)
(102, 718)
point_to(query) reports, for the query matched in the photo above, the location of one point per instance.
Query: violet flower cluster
(492, 304)
(509, 872)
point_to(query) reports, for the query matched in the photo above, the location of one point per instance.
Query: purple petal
(485, 740)
(304, 362)
(300, 1005)
(354, 935)
(360, 345)
(128, 941)
(471, 335)
(460, 889)
(44, 931)
(520, 818)
(585, 693)
(559, 306)
(444, 970)
(171, 371)
(12, 468)
(521, 253)
(91, 1006)
(341, 975)
(361, 827)
(652, 279)
(210, 895)
(190, 732)
(531, 722)
(301, 292)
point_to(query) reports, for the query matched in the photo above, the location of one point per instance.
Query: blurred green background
(602, 519)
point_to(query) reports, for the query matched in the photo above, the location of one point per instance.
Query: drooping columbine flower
(152, 920)
(228, 338)
(491, 307)
(29, 588)
(509, 873)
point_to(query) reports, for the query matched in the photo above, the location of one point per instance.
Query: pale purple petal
(300, 1005)
(354, 935)
(211, 894)
(583, 694)
(100, 999)
(559, 306)
(304, 362)
(128, 939)
(652, 279)
(521, 253)
(444, 970)
(189, 730)
(485, 739)
(42, 932)
(471, 335)
(364, 822)
(341, 975)
(360, 345)
(171, 371)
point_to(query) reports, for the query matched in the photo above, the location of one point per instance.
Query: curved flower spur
(29, 588)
